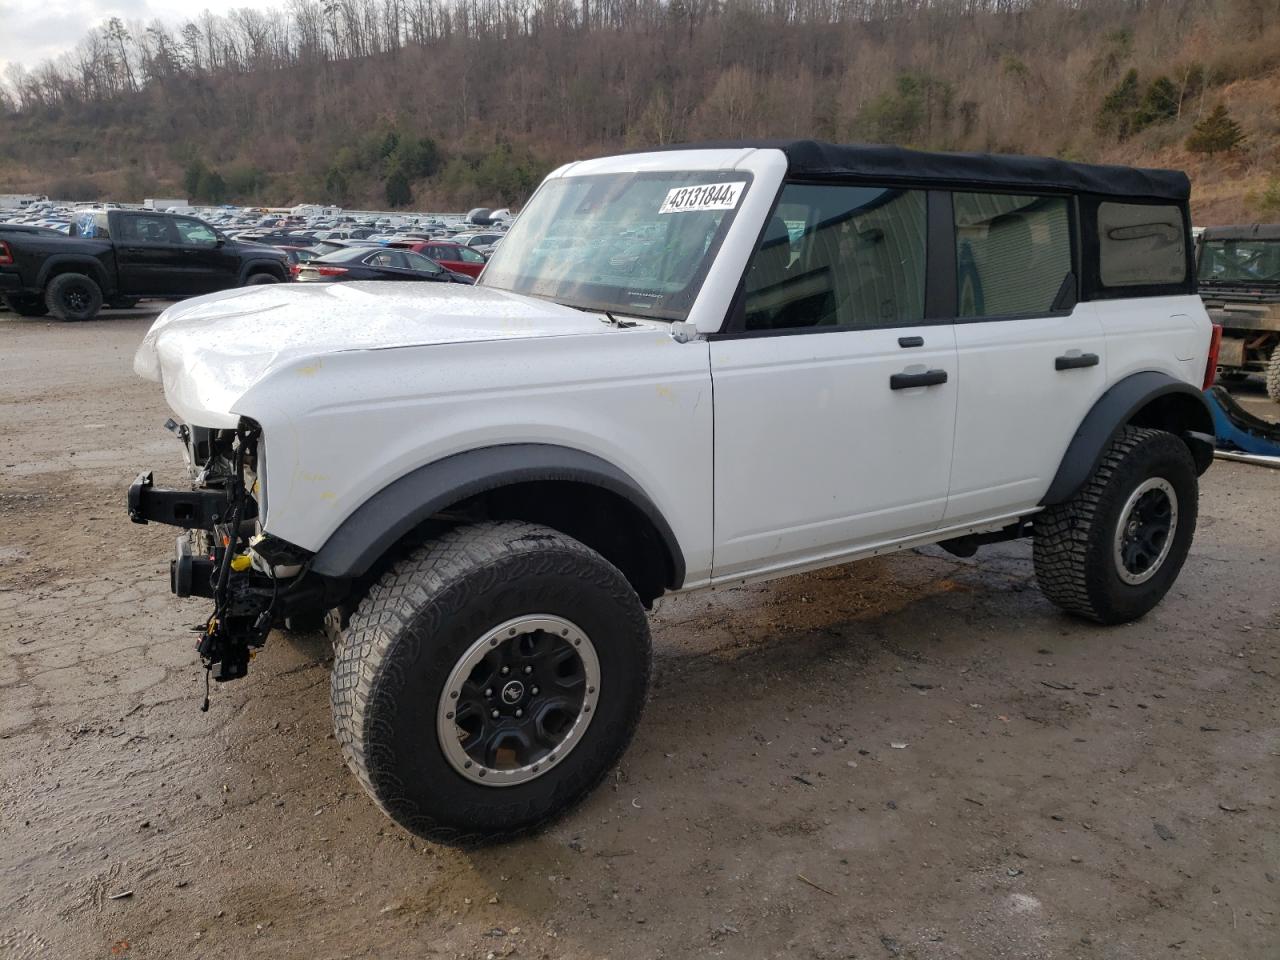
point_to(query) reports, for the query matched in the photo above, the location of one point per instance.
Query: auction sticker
(706, 196)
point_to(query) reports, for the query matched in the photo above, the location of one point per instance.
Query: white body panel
(1016, 413)
(816, 455)
(805, 458)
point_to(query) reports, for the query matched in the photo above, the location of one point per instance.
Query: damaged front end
(254, 580)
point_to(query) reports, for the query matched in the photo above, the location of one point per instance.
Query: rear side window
(1140, 245)
(1013, 253)
(839, 256)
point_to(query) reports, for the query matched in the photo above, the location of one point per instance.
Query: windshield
(633, 243)
(1240, 261)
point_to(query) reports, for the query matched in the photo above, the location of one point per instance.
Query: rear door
(835, 398)
(1032, 360)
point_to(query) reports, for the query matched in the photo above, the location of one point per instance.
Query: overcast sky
(32, 30)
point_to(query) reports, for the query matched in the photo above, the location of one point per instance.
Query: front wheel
(490, 680)
(1112, 552)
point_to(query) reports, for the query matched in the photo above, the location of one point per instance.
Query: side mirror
(219, 241)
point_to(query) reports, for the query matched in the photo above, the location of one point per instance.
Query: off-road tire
(257, 279)
(1273, 375)
(29, 306)
(73, 296)
(415, 625)
(1074, 541)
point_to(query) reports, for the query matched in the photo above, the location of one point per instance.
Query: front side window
(1141, 244)
(1013, 253)
(467, 255)
(638, 244)
(839, 256)
(193, 232)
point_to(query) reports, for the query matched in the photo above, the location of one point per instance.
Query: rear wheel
(490, 680)
(1273, 375)
(258, 279)
(26, 306)
(1111, 553)
(73, 296)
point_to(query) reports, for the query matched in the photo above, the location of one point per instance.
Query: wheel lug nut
(528, 669)
(489, 692)
(534, 691)
(519, 712)
(494, 714)
(505, 670)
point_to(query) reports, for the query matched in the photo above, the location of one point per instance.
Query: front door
(205, 263)
(835, 400)
(147, 254)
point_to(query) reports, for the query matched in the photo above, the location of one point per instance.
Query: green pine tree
(398, 192)
(1216, 133)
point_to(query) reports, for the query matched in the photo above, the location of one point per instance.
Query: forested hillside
(446, 103)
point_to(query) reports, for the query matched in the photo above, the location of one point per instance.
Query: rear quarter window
(1141, 245)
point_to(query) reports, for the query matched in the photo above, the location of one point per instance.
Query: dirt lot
(914, 757)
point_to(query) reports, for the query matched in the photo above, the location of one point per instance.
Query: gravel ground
(910, 757)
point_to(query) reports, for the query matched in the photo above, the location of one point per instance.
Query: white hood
(208, 351)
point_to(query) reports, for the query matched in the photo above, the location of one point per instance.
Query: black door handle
(911, 342)
(1068, 362)
(905, 381)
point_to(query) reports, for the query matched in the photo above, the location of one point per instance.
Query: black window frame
(1093, 288)
(941, 305)
(177, 229)
(1061, 307)
(734, 325)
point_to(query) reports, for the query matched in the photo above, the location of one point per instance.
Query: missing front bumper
(189, 509)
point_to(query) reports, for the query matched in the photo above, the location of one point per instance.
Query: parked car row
(113, 257)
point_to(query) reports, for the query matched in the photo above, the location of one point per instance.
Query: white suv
(681, 369)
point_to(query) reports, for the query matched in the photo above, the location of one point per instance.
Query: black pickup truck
(119, 256)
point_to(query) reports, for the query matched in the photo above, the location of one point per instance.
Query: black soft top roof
(1252, 231)
(818, 160)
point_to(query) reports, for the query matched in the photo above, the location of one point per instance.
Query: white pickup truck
(683, 368)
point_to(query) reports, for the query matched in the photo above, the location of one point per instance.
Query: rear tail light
(1215, 345)
(294, 269)
(6, 255)
(330, 271)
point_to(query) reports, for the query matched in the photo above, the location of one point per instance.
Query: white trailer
(20, 201)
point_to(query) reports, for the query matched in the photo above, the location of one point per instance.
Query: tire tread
(421, 586)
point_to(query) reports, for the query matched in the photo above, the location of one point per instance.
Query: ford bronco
(685, 368)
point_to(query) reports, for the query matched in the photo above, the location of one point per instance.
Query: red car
(297, 257)
(451, 256)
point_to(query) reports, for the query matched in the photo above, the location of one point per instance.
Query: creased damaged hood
(208, 351)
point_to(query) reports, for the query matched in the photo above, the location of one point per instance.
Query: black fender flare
(1183, 412)
(89, 266)
(274, 267)
(377, 524)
